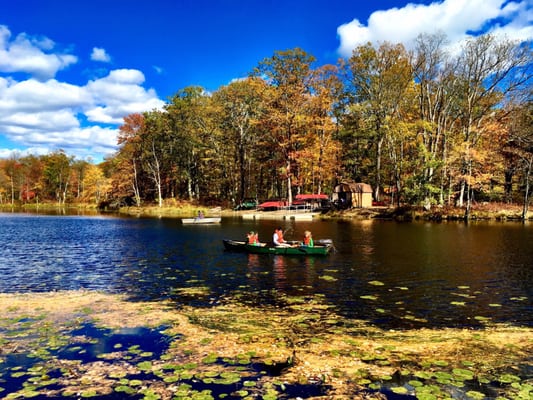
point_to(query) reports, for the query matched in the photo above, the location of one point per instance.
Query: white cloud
(120, 94)
(99, 54)
(36, 96)
(457, 18)
(67, 116)
(27, 54)
(93, 142)
(41, 114)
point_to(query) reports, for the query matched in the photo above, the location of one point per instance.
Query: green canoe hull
(243, 247)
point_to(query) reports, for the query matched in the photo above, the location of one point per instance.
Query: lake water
(397, 275)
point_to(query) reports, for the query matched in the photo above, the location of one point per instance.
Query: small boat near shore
(263, 248)
(201, 221)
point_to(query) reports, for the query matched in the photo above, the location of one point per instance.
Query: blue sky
(70, 70)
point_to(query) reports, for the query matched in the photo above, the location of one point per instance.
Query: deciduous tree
(287, 114)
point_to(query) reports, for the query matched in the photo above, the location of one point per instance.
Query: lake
(396, 275)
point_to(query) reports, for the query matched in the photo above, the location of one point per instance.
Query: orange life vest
(253, 239)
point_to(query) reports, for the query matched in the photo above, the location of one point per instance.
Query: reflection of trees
(253, 261)
(366, 244)
(253, 267)
(280, 272)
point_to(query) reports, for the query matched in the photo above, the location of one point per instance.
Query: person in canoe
(278, 240)
(253, 238)
(308, 239)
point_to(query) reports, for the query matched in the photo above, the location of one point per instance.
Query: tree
(320, 153)
(79, 168)
(286, 117)
(191, 139)
(12, 169)
(153, 149)
(96, 185)
(126, 180)
(3, 184)
(240, 105)
(377, 81)
(32, 172)
(520, 145)
(433, 76)
(487, 72)
(56, 174)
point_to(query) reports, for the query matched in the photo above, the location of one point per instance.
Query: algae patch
(88, 344)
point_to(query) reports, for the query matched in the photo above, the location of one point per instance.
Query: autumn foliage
(422, 127)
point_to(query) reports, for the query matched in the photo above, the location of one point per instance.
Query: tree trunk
(525, 208)
(135, 184)
(289, 183)
(377, 189)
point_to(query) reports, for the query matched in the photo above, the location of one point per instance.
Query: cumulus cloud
(101, 55)
(34, 112)
(29, 55)
(459, 19)
(120, 94)
(41, 114)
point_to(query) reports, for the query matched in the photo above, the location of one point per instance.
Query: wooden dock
(297, 216)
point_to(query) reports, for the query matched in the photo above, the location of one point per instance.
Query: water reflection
(403, 275)
(280, 272)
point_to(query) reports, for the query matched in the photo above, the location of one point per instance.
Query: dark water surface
(394, 274)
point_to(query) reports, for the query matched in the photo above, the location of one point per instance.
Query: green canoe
(263, 248)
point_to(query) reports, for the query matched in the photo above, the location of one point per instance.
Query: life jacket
(308, 241)
(253, 239)
(280, 236)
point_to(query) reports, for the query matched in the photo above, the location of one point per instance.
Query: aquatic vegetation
(369, 297)
(87, 344)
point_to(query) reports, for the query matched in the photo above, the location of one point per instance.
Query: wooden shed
(352, 195)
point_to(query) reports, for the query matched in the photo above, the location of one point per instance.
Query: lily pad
(475, 395)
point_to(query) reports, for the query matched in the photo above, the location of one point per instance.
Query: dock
(286, 215)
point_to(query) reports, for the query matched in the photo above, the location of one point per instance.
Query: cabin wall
(346, 198)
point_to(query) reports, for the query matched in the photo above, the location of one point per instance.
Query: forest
(424, 127)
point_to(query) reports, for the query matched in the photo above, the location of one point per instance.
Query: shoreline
(479, 212)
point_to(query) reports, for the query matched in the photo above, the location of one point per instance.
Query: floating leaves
(328, 278)
(227, 350)
(474, 395)
(508, 378)
(369, 297)
(463, 374)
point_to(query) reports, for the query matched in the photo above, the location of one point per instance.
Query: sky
(71, 70)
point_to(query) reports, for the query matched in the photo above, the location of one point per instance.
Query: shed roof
(353, 187)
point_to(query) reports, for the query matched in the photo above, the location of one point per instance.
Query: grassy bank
(236, 351)
(185, 209)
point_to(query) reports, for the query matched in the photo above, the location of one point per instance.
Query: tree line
(423, 127)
